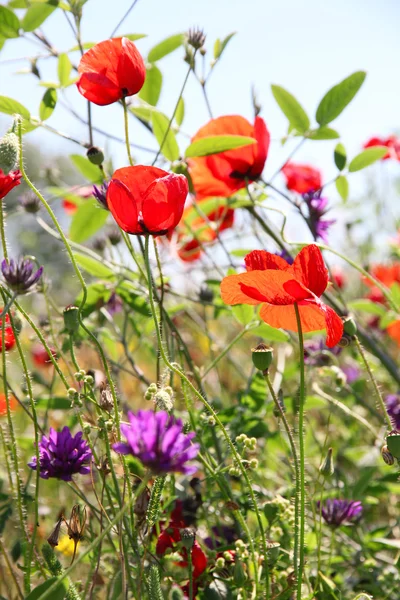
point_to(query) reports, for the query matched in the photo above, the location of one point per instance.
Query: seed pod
(349, 326)
(262, 357)
(95, 155)
(71, 318)
(9, 152)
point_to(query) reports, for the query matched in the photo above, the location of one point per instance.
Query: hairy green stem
(126, 129)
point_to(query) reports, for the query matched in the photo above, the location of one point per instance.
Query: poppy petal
(260, 260)
(97, 88)
(297, 290)
(394, 331)
(334, 326)
(262, 136)
(199, 560)
(163, 202)
(122, 206)
(256, 286)
(309, 268)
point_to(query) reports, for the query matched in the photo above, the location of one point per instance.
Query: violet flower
(100, 193)
(20, 275)
(317, 208)
(62, 455)
(317, 354)
(392, 402)
(341, 512)
(158, 441)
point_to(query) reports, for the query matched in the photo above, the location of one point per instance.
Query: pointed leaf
(366, 158)
(342, 186)
(58, 593)
(323, 133)
(291, 108)
(165, 47)
(340, 157)
(36, 15)
(165, 136)
(338, 97)
(9, 106)
(9, 23)
(64, 69)
(220, 45)
(87, 169)
(48, 104)
(151, 89)
(87, 221)
(217, 143)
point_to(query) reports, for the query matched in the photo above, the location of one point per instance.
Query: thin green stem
(190, 573)
(126, 129)
(3, 230)
(378, 394)
(302, 394)
(293, 448)
(176, 369)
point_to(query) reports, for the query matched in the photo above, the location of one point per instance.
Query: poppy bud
(206, 294)
(188, 537)
(349, 326)
(95, 155)
(71, 318)
(327, 468)
(387, 455)
(262, 357)
(9, 152)
(176, 594)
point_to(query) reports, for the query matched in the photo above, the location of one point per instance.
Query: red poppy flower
(339, 277)
(8, 182)
(205, 230)
(9, 339)
(224, 173)
(3, 404)
(40, 356)
(386, 274)
(199, 560)
(84, 192)
(392, 143)
(302, 179)
(277, 286)
(110, 71)
(147, 199)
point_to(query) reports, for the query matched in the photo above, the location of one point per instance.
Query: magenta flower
(62, 455)
(341, 512)
(317, 209)
(158, 441)
(392, 402)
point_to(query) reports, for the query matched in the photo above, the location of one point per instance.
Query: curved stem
(3, 231)
(126, 128)
(378, 394)
(302, 393)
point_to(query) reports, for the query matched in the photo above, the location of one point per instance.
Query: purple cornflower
(62, 455)
(317, 354)
(158, 441)
(340, 512)
(392, 402)
(100, 193)
(317, 208)
(20, 275)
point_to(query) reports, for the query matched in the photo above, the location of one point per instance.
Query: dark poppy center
(124, 91)
(244, 175)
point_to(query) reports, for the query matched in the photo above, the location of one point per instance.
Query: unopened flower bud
(253, 463)
(211, 421)
(273, 552)
(262, 357)
(88, 379)
(72, 393)
(196, 38)
(86, 428)
(71, 318)
(220, 563)
(30, 202)
(163, 400)
(9, 152)
(188, 537)
(114, 235)
(95, 155)
(349, 326)
(327, 468)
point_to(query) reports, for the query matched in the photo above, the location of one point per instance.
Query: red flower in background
(203, 229)
(338, 277)
(147, 199)
(224, 173)
(392, 143)
(84, 192)
(277, 286)
(302, 179)
(386, 274)
(40, 356)
(3, 404)
(110, 71)
(8, 182)
(9, 339)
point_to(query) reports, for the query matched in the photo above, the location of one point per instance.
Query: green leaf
(291, 108)
(36, 15)
(342, 186)
(87, 221)
(367, 306)
(323, 133)
(9, 106)
(216, 144)
(165, 47)
(366, 158)
(338, 97)
(220, 45)
(134, 36)
(270, 334)
(64, 69)
(87, 169)
(9, 23)
(48, 104)
(93, 266)
(142, 112)
(180, 112)
(167, 141)
(58, 593)
(243, 313)
(53, 403)
(340, 156)
(151, 90)
(136, 301)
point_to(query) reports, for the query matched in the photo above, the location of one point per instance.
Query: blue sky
(304, 46)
